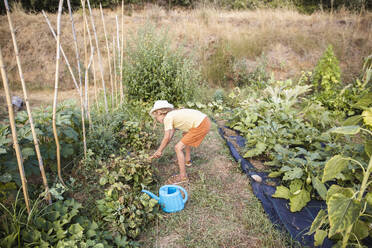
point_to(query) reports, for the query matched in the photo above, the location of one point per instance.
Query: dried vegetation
(291, 42)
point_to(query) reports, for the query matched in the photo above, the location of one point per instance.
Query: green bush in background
(154, 71)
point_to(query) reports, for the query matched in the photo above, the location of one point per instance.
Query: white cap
(160, 104)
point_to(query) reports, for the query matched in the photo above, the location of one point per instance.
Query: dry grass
(291, 41)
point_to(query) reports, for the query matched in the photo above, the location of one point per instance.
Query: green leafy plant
(273, 118)
(69, 126)
(155, 71)
(348, 214)
(124, 208)
(326, 79)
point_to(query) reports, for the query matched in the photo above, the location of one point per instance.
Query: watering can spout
(151, 194)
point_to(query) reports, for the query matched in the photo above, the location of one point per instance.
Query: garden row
(315, 136)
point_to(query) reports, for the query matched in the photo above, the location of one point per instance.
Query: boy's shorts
(196, 135)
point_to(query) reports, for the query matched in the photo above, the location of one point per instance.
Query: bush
(154, 71)
(125, 209)
(128, 128)
(326, 79)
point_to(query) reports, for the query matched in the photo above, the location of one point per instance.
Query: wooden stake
(122, 53)
(93, 64)
(63, 53)
(82, 102)
(108, 56)
(87, 85)
(34, 135)
(114, 56)
(99, 56)
(14, 133)
(85, 38)
(56, 93)
(118, 56)
(95, 83)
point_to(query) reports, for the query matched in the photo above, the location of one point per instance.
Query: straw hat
(160, 104)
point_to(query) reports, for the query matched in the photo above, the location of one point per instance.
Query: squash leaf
(299, 200)
(281, 192)
(333, 167)
(343, 212)
(318, 221)
(319, 237)
(320, 187)
(346, 130)
(367, 117)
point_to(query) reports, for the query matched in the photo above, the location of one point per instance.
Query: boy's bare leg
(181, 158)
(187, 153)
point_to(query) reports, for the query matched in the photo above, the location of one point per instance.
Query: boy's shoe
(177, 179)
(188, 163)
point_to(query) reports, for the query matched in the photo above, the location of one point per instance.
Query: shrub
(154, 71)
(218, 68)
(326, 79)
(125, 209)
(128, 128)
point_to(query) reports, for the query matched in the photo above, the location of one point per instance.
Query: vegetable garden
(72, 173)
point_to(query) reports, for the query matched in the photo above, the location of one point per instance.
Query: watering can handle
(184, 191)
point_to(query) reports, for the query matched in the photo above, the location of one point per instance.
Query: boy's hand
(157, 154)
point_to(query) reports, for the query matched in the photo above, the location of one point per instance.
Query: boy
(195, 126)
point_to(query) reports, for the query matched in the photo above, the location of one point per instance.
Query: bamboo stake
(14, 133)
(86, 65)
(108, 55)
(83, 106)
(56, 93)
(75, 42)
(34, 135)
(118, 56)
(85, 38)
(95, 82)
(63, 53)
(86, 84)
(99, 56)
(122, 53)
(93, 64)
(114, 56)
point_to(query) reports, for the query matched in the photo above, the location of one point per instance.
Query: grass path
(221, 211)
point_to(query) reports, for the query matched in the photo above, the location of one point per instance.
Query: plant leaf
(342, 212)
(27, 152)
(318, 221)
(364, 102)
(300, 200)
(281, 192)
(354, 120)
(369, 198)
(6, 177)
(348, 192)
(275, 174)
(346, 130)
(294, 173)
(360, 229)
(320, 187)
(333, 167)
(319, 237)
(368, 148)
(367, 116)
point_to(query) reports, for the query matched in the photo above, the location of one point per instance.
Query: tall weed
(153, 70)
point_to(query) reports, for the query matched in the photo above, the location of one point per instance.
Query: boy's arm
(166, 139)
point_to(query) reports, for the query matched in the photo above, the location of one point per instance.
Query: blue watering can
(170, 198)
